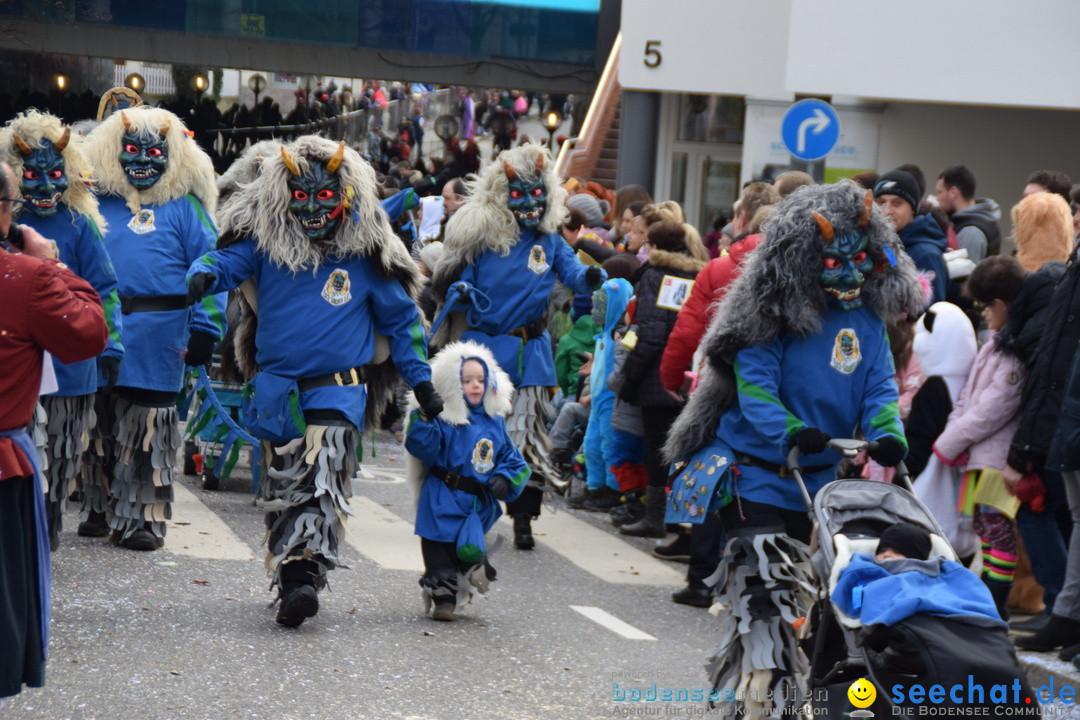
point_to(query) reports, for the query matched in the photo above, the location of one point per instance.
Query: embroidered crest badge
(336, 291)
(845, 355)
(142, 222)
(483, 456)
(538, 260)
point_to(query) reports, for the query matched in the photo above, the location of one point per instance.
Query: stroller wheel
(210, 480)
(190, 450)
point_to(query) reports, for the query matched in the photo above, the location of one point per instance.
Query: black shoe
(523, 539)
(695, 596)
(678, 549)
(1059, 632)
(55, 525)
(94, 526)
(141, 539)
(1070, 652)
(627, 513)
(443, 612)
(298, 603)
(1033, 624)
(603, 500)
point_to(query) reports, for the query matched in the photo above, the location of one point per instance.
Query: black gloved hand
(200, 347)
(499, 487)
(110, 370)
(430, 402)
(594, 276)
(628, 393)
(809, 440)
(197, 286)
(887, 452)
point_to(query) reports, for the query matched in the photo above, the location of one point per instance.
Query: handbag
(700, 485)
(270, 407)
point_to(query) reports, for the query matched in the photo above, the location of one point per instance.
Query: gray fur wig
(189, 170)
(778, 293)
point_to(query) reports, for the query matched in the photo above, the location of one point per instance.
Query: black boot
(631, 510)
(1000, 592)
(694, 595)
(652, 525)
(56, 523)
(142, 539)
(94, 526)
(523, 539)
(1059, 632)
(299, 596)
(678, 549)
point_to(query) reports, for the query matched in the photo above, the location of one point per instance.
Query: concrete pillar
(639, 132)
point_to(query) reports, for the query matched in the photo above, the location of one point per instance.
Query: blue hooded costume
(609, 306)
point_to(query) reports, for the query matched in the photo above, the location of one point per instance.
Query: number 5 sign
(652, 54)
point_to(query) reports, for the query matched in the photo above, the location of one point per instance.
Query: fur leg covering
(527, 426)
(99, 460)
(147, 441)
(766, 586)
(461, 588)
(305, 496)
(67, 438)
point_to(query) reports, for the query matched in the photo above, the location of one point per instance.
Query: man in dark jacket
(897, 193)
(975, 220)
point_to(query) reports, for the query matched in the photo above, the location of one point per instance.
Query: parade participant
(328, 274)
(156, 190)
(51, 172)
(46, 306)
(466, 463)
(504, 242)
(797, 352)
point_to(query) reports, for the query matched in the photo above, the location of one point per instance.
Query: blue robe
(152, 251)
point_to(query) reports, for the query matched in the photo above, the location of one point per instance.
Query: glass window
(711, 118)
(719, 190)
(678, 177)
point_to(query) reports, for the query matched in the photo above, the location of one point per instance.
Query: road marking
(196, 531)
(612, 623)
(601, 553)
(383, 537)
(380, 475)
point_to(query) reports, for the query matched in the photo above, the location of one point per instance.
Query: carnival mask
(845, 264)
(315, 200)
(144, 158)
(43, 178)
(527, 201)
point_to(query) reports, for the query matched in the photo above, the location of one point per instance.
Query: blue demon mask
(43, 178)
(845, 264)
(144, 158)
(315, 199)
(527, 200)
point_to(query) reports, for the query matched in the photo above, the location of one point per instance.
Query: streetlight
(199, 83)
(256, 83)
(552, 121)
(136, 82)
(61, 84)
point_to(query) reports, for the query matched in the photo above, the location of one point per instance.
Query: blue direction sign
(810, 129)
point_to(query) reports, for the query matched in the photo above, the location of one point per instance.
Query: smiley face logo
(862, 693)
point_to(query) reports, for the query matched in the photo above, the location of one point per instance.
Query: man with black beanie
(897, 192)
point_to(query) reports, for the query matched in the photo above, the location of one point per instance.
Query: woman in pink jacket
(982, 424)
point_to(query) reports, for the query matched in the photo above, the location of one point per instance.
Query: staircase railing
(578, 156)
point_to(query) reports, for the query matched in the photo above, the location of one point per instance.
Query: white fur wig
(245, 169)
(189, 169)
(32, 127)
(446, 377)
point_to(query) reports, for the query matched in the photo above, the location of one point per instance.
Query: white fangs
(141, 173)
(316, 223)
(845, 295)
(46, 202)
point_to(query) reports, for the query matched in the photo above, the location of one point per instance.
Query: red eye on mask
(538, 192)
(299, 195)
(326, 195)
(154, 152)
(55, 174)
(131, 149)
(30, 175)
(831, 263)
(859, 258)
(517, 194)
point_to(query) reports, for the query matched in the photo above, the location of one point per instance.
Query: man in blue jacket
(897, 193)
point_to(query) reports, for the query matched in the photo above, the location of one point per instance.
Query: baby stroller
(923, 649)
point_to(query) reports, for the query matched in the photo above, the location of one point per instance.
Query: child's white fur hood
(446, 377)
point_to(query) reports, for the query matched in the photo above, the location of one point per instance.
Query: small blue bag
(700, 485)
(270, 407)
(470, 540)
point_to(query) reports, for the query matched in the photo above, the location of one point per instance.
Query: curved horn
(825, 226)
(335, 162)
(539, 163)
(164, 128)
(21, 144)
(127, 123)
(64, 139)
(289, 162)
(868, 208)
(510, 174)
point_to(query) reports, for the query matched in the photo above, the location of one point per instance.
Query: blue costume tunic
(837, 380)
(519, 285)
(313, 324)
(79, 242)
(152, 251)
(480, 449)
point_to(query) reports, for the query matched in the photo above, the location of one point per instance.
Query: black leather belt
(342, 379)
(531, 331)
(781, 470)
(158, 303)
(457, 482)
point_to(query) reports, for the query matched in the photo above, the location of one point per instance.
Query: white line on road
(382, 536)
(612, 623)
(196, 531)
(601, 553)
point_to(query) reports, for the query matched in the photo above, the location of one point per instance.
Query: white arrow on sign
(817, 122)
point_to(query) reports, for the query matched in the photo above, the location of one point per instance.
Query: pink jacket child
(984, 418)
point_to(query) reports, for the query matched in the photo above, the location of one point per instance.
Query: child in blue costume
(156, 191)
(467, 463)
(797, 353)
(323, 276)
(49, 164)
(504, 249)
